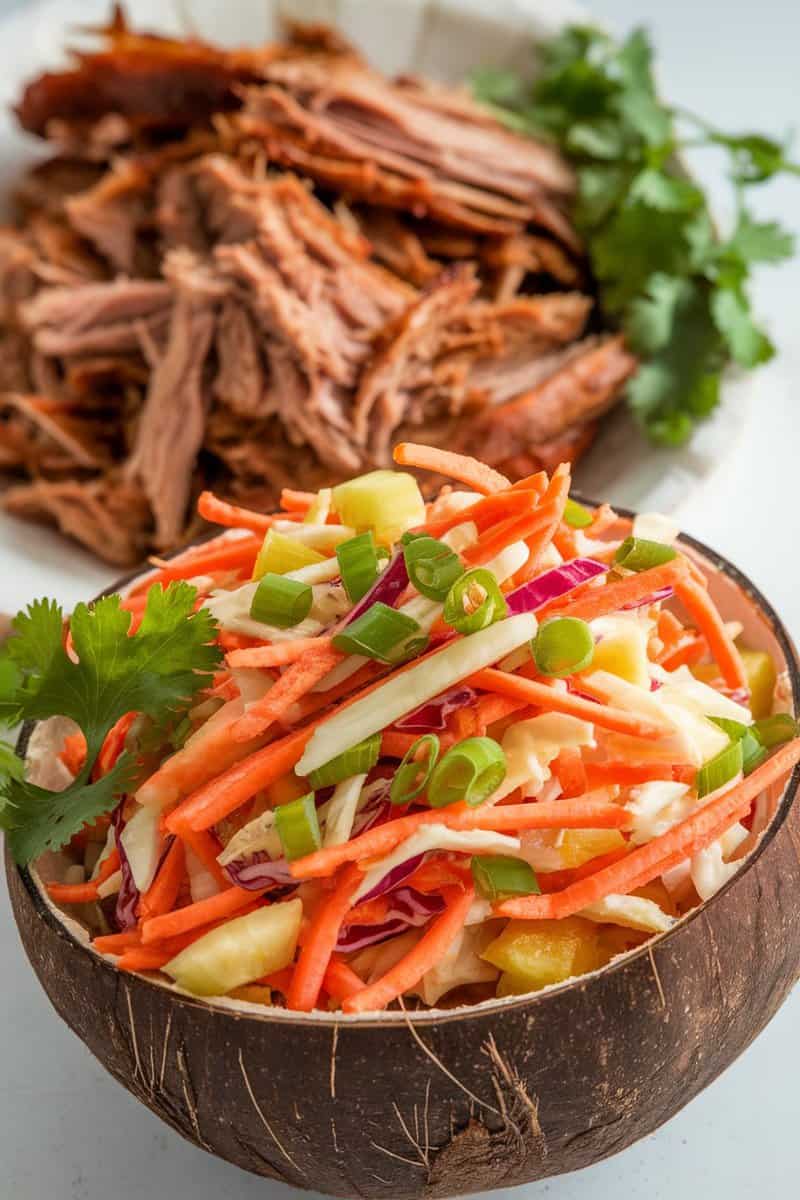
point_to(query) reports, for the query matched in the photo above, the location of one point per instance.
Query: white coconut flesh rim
(735, 604)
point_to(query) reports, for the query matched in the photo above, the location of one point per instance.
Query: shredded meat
(107, 515)
(260, 268)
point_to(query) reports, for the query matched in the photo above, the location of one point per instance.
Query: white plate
(443, 38)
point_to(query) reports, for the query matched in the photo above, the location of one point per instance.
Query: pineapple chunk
(579, 845)
(240, 951)
(534, 954)
(761, 679)
(388, 502)
(252, 993)
(622, 651)
(616, 939)
(280, 554)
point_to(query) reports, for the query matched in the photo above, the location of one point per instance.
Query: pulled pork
(259, 268)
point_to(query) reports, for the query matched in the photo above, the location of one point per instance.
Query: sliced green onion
(474, 602)
(377, 633)
(753, 753)
(576, 515)
(412, 776)
(355, 761)
(720, 769)
(734, 729)
(775, 730)
(281, 602)
(432, 566)
(358, 564)
(563, 646)
(753, 750)
(498, 876)
(640, 554)
(471, 771)
(298, 827)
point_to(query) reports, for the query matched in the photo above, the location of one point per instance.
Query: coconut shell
(427, 1104)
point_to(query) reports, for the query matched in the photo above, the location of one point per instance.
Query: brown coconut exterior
(437, 1105)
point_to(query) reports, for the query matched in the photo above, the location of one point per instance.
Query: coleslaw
(455, 750)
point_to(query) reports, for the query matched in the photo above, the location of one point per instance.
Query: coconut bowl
(401, 1105)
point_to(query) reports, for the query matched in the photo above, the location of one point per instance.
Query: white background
(68, 1132)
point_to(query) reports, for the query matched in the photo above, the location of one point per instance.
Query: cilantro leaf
(647, 240)
(754, 158)
(672, 326)
(746, 342)
(759, 241)
(10, 762)
(36, 819)
(667, 193)
(637, 102)
(156, 672)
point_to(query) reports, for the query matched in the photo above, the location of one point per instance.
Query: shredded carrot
(293, 501)
(605, 519)
(202, 912)
(670, 630)
(233, 642)
(704, 613)
(395, 744)
(687, 653)
(600, 601)
(162, 894)
(582, 813)
(320, 940)
(279, 655)
(113, 746)
(532, 483)
(279, 981)
(440, 872)
(570, 772)
(552, 699)
(73, 752)
(530, 524)
(555, 881)
(485, 512)
(292, 685)
(235, 554)
(84, 893)
(220, 512)
(469, 471)
(431, 948)
(340, 980)
(368, 912)
(566, 542)
(144, 958)
(553, 503)
(215, 800)
(476, 719)
(370, 675)
(207, 754)
(115, 943)
(646, 862)
(626, 774)
(206, 847)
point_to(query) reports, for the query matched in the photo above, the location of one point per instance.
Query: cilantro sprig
(677, 289)
(156, 671)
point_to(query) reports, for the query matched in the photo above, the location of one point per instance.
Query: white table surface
(69, 1132)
